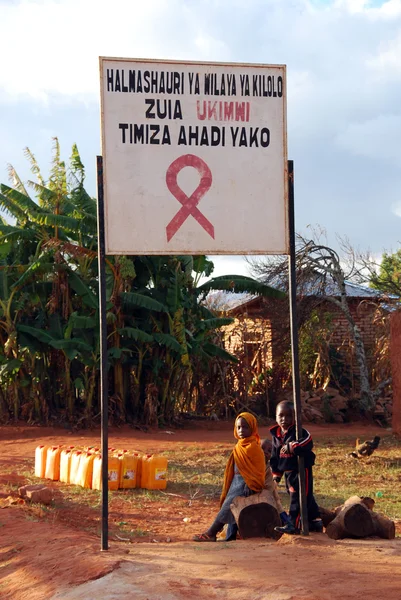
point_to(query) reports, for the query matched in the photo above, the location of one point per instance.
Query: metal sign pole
(294, 344)
(103, 353)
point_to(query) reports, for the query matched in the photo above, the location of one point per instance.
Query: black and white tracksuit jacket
(282, 461)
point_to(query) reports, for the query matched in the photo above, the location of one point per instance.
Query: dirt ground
(49, 555)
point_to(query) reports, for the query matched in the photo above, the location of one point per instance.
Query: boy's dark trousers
(292, 485)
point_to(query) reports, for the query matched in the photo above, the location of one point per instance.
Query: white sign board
(195, 157)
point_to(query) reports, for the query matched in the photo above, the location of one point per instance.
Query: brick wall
(363, 313)
(274, 312)
(395, 353)
(247, 337)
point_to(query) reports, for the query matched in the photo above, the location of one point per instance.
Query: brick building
(260, 332)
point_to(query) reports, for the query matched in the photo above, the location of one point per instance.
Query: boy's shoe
(316, 526)
(288, 528)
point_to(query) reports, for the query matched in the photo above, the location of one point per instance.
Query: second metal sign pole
(294, 345)
(104, 396)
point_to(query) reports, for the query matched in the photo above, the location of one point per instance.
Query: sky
(343, 62)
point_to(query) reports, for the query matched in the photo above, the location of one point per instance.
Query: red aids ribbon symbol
(189, 203)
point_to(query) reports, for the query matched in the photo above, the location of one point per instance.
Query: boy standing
(285, 451)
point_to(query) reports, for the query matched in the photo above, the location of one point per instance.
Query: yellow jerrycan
(65, 464)
(74, 468)
(128, 470)
(113, 472)
(145, 470)
(85, 470)
(97, 473)
(40, 460)
(138, 469)
(53, 463)
(156, 477)
(114, 468)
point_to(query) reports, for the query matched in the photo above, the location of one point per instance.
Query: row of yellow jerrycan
(83, 466)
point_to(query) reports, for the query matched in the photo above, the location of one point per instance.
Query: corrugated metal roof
(353, 290)
(230, 300)
(233, 300)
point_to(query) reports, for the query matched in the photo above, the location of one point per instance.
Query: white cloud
(386, 63)
(353, 6)
(210, 48)
(230, 265)
(370, 8)
(396, 208)
(377, 138)
(344, 92)
(387, 10)
(59, 42)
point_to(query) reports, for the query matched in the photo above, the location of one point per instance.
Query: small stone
(23, 490)
(36, 493)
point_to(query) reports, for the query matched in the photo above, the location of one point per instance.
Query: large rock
(331, 392)
(305, 397)
(36, 493)
(312, 415)
(315, 402)
(338, 402)
(389, 408)
(379, 410)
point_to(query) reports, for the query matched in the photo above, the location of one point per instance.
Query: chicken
(366, 448)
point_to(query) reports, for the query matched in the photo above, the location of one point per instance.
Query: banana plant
(160, 334)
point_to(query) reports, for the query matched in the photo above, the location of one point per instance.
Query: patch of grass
(33, 518)
(29, 476)
(138, 532)
(151, 495)
(337, 476)
(13, 487)
(195, 475)
(75, 493)
(194, 468)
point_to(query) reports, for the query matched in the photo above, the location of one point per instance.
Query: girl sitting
(244, 474)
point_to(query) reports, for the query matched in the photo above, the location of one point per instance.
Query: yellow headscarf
(249, 458)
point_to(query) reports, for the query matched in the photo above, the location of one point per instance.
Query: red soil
(44, 552)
